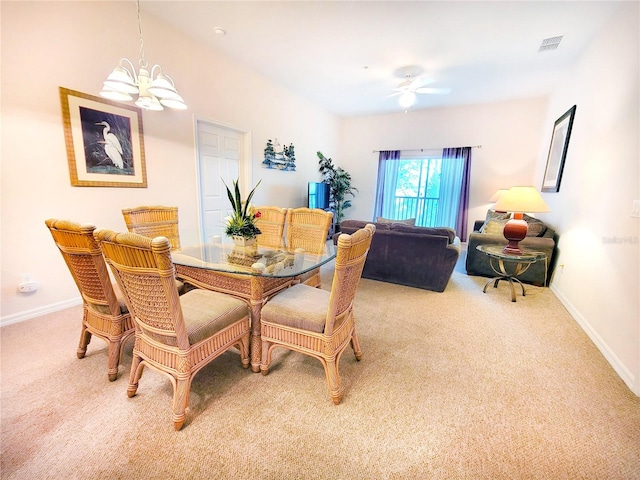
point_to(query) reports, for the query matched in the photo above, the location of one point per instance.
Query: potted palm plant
(339, 181)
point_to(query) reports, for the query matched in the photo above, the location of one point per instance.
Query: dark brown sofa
(419, 257)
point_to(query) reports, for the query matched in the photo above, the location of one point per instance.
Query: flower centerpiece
(241, 224)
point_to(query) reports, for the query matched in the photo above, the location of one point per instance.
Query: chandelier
(153, 93)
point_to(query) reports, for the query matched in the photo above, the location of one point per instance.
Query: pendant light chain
(142, 62)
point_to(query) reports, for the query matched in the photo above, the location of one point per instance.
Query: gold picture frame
(104, 140)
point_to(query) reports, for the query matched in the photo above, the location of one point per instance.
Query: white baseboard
(624, 373)
(36, 312)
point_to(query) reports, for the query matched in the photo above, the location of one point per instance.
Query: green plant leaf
(233, 203)
(246, 205)
(238, 204)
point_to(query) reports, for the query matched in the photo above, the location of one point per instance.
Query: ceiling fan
(410, 87)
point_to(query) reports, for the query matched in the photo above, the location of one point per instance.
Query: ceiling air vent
(550, 43)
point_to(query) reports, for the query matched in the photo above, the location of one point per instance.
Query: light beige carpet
(453, 385)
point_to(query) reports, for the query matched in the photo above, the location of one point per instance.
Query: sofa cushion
(450, 233)
(499, 219)
(536, 226)
(350, 226)
(493, 215)
(493, 226)
(406, 221)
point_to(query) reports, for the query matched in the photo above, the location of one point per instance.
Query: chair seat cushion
(300, 307)
(206, 312)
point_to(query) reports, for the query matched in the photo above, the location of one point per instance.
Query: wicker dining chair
(308, 228)
(105, 312)
(175, 335)
(317, 322)
(154, 221)
(271, 224)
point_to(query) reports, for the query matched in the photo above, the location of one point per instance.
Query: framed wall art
(104, 141)
(558, 151)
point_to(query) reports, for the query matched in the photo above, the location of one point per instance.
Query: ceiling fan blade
(419, 83)
(436, 91)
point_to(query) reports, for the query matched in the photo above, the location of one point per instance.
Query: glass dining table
(253, 274)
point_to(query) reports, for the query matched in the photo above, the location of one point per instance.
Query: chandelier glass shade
(153, 93)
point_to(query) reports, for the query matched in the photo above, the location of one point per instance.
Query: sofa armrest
(454, 246)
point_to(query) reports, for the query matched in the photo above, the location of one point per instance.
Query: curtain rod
(423, 149)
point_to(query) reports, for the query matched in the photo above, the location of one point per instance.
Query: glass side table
(508, 266)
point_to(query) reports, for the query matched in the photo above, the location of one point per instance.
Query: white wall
(75, 45)
(509, 133)
(599, 242)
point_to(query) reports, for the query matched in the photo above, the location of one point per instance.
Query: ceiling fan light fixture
(407, 99)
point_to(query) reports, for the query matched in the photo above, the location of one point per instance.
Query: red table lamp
(518, 200)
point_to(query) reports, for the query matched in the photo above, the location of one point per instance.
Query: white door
(220, 152)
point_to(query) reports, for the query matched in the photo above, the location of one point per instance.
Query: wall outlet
(635, 209)
(27, 283)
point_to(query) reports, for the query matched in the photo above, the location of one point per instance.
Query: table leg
(521, 285)
(513, 290)
(495, 285)
(501, 269)
(257, 291)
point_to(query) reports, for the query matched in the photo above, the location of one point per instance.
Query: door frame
(245, 168)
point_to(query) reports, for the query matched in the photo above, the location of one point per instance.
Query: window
(417, 189)
(430, 187)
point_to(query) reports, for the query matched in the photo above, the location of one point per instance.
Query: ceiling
(348, 56)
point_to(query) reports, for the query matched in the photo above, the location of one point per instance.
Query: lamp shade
(177, 102)
(162, 87)
(148, 102)
(121, 80)
(494, 198)
(115, 95)
(521, 200)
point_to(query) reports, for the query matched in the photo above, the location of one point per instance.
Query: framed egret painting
(104, 141)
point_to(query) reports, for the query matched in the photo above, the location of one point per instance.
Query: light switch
(635, 211)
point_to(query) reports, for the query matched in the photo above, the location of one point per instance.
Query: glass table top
(252, 260)
(496, 252)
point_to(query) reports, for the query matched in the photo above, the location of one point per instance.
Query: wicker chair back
(154, 221)
(271, 224)
(105, 315)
